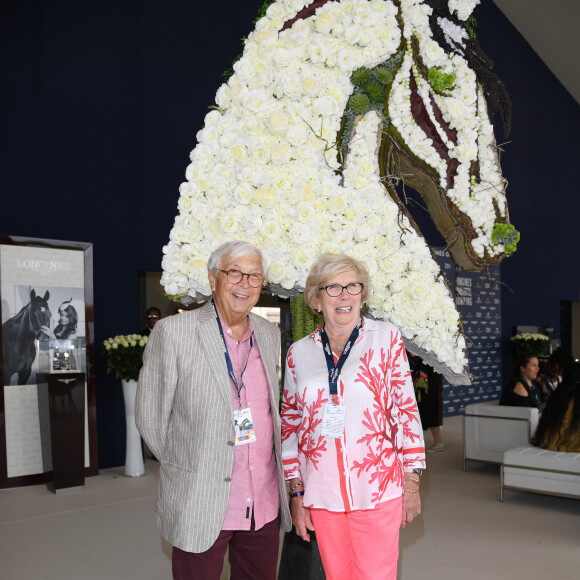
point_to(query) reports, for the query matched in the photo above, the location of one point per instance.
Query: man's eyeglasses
(152, 316)
(335, 290)
(235, 277)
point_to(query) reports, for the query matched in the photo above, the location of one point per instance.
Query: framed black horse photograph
(46, 292)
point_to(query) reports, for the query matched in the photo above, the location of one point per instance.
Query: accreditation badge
(244, 426)
(333, 421)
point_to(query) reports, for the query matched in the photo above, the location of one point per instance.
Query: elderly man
(207, 406)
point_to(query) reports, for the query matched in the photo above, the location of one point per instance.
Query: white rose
(184, 204)
(317, 52)
(244, 193)
(291, 84)
(239, 152)
(310, 85)
(278, 122)
(283, 57)
(299, 233)
(324, 23)
(276, 272)
(272, 230)
(223, 96)
(343, 238)
(256, 101)
(297, 135)
(346, 59)
(254, 127)
(281, 153)
(325, 106)
(189, 189)
(261, 153)
(353, 34)
(267, 196)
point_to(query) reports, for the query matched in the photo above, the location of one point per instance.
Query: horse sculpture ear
(47, 295)
(33, 294)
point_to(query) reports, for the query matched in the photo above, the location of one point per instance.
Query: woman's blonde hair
(329, 265)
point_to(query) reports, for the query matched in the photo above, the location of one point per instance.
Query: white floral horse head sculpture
(331, 104)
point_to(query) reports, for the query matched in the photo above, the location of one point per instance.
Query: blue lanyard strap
(229, 364)
(334, 371)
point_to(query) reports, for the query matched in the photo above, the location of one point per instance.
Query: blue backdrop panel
(478, 299)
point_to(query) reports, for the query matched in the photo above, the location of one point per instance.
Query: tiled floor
(106, 531)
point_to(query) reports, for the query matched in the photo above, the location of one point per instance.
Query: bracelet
(296, 494)
(413, 479)
(297, 485)
(410, 491)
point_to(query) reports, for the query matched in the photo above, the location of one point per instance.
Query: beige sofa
(537, 470)
(490, 430)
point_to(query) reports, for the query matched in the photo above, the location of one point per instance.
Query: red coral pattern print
(382, 435)
(390, 412)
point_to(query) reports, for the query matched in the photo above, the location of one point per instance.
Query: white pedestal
(134, 466)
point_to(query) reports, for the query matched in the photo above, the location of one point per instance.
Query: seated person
(559, 427)
(552, 376)
(523, 390)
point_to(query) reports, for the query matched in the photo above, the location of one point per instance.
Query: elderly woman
(207, 407)
(352, 441)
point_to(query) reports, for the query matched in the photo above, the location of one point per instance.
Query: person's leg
(436, 432)
(254, 554)
(334, 543)
(206, 565)
(375, 535)
(438, 445)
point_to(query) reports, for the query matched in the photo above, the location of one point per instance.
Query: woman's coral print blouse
(382, 436)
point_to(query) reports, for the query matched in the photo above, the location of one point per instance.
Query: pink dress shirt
(254, 477)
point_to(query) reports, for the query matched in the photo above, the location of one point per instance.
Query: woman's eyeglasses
(235, 277)
(335, 290)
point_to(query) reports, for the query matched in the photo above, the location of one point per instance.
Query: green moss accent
(359, 103)
(360, 76)
(439, 80)
(374, 91)
(506, 235)
(304, 321)
(383, 75)
(471, 25)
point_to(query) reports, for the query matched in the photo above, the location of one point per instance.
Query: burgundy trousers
(253, 555)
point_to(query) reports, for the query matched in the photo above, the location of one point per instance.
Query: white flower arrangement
(125, 355)
(529, 336)
(265, 168)
(530, 343)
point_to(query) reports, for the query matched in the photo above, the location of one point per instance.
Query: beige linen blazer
(184, 412)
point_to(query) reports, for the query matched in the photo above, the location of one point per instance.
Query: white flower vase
(134, 466)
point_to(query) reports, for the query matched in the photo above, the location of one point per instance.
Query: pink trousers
(359, 545)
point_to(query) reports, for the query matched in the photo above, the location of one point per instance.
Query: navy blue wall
(541, 162)
(100, 105)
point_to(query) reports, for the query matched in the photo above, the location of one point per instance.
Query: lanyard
(533, 392)
(334, 371)
(240, 386)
